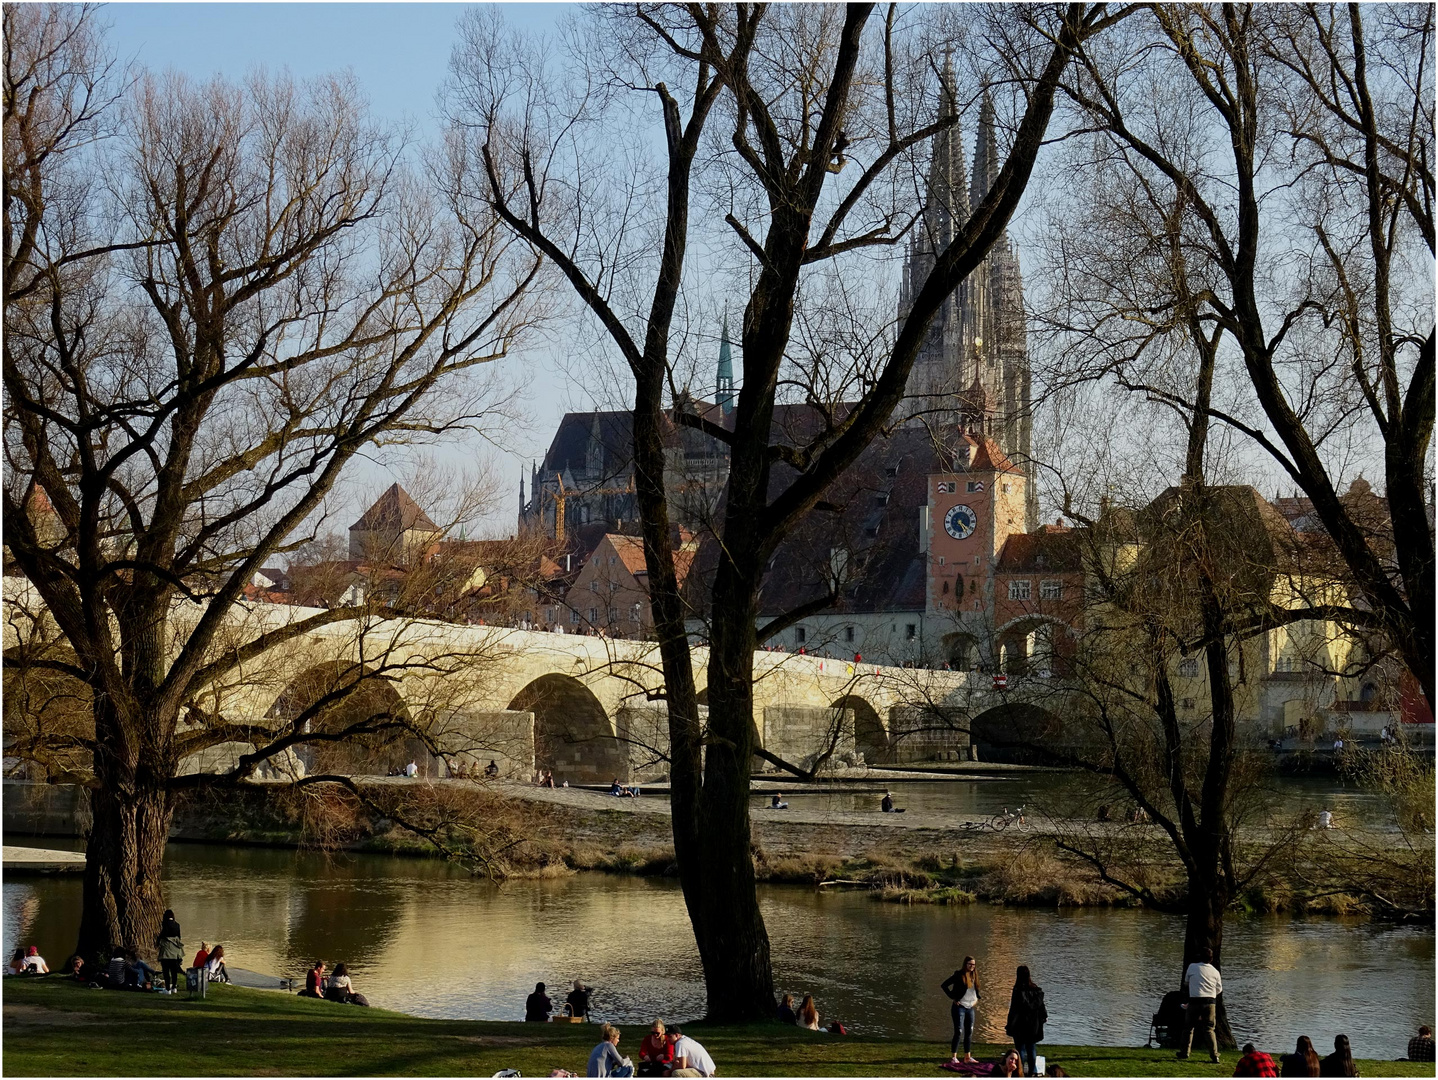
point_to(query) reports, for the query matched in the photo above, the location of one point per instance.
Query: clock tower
(972, 510)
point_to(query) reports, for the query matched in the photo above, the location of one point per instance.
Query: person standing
(1204, 984)
(1027, 1014)
(962, 988)
(171, 951)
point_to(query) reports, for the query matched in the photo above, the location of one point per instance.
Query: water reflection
(423, 937)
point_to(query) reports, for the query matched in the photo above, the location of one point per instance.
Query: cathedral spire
(947, 206)
(986, 153)
(725, 391)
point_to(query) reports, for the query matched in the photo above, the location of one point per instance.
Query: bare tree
(216, 296)
(765, 106)
(1287, 151)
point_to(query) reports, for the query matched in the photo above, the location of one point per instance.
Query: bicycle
(1001, 821)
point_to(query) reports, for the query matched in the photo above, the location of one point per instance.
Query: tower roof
(725, 382)
(947, 205)
(395, 508)
(986, 153)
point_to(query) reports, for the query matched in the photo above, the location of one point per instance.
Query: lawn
(58, 1028)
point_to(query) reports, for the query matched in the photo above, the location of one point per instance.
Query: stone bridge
(591, 709)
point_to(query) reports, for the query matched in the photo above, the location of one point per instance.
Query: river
(422, 937)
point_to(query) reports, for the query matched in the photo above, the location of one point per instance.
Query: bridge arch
(573, 736)
(1014, 732)
(871, 734)
(337, 695)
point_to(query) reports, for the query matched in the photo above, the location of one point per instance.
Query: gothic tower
(972, 370)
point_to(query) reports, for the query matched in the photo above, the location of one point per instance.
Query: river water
(423, 937)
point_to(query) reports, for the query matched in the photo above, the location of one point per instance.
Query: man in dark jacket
(1027, 1014)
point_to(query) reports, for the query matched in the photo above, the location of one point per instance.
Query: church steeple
(986, 154)
(724, 393)
(947, 206)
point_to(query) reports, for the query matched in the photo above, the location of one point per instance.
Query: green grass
(58, 1028)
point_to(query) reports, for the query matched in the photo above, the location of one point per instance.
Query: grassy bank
(55, 1028)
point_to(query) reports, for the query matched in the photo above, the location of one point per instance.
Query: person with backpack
(1027, 1014)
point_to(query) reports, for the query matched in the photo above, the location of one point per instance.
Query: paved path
(29, 860)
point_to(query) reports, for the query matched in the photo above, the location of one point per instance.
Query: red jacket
(1256, 1064)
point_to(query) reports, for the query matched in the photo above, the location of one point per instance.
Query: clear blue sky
(399, 53)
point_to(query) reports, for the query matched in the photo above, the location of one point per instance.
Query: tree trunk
(727, 922)
(130, 810)
(124, 858)
(1207, 901)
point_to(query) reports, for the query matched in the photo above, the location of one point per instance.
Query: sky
(399, 54)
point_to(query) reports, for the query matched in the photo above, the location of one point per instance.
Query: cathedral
(963, 428)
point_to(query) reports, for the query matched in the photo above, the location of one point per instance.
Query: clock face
(961, 521)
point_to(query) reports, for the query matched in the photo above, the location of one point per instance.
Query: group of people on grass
(806, 1015)
(664, 1052)
(538, 1007)
(1202, 984)
(334, 987)
(120, 968)
(1025, 1023)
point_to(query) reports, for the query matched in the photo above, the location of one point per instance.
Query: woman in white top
(962, 988)
(808, 1015)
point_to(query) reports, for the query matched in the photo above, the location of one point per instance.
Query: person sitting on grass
(1302, 1062)
(1340, 1062)
(17, 963)
(342, 990)
(776, 801)
(578, 1000)
(1011, 1064)
(216, 965)
(1420, 1047)
(808, 1014)
(115, 969)
(138, 974)
(1255, 1063)
(786, 1010)
(35, 963)
(690, 1059)
(314, 981)
(75, 969)
(605, 1059)
(203, 956)
(537, 1006)
(656, 1055)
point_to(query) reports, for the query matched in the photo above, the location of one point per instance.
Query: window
(1006, 489)
(974, 485)
(941, 560)
(946, 588)
(1188, 667)
(1051, 590)
(573, 616)
(613, 615)
(593, 584)
(593, 616)
(800, 635)
(911, 631)
(1018, 590)
(848, 633)
(612, 560)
